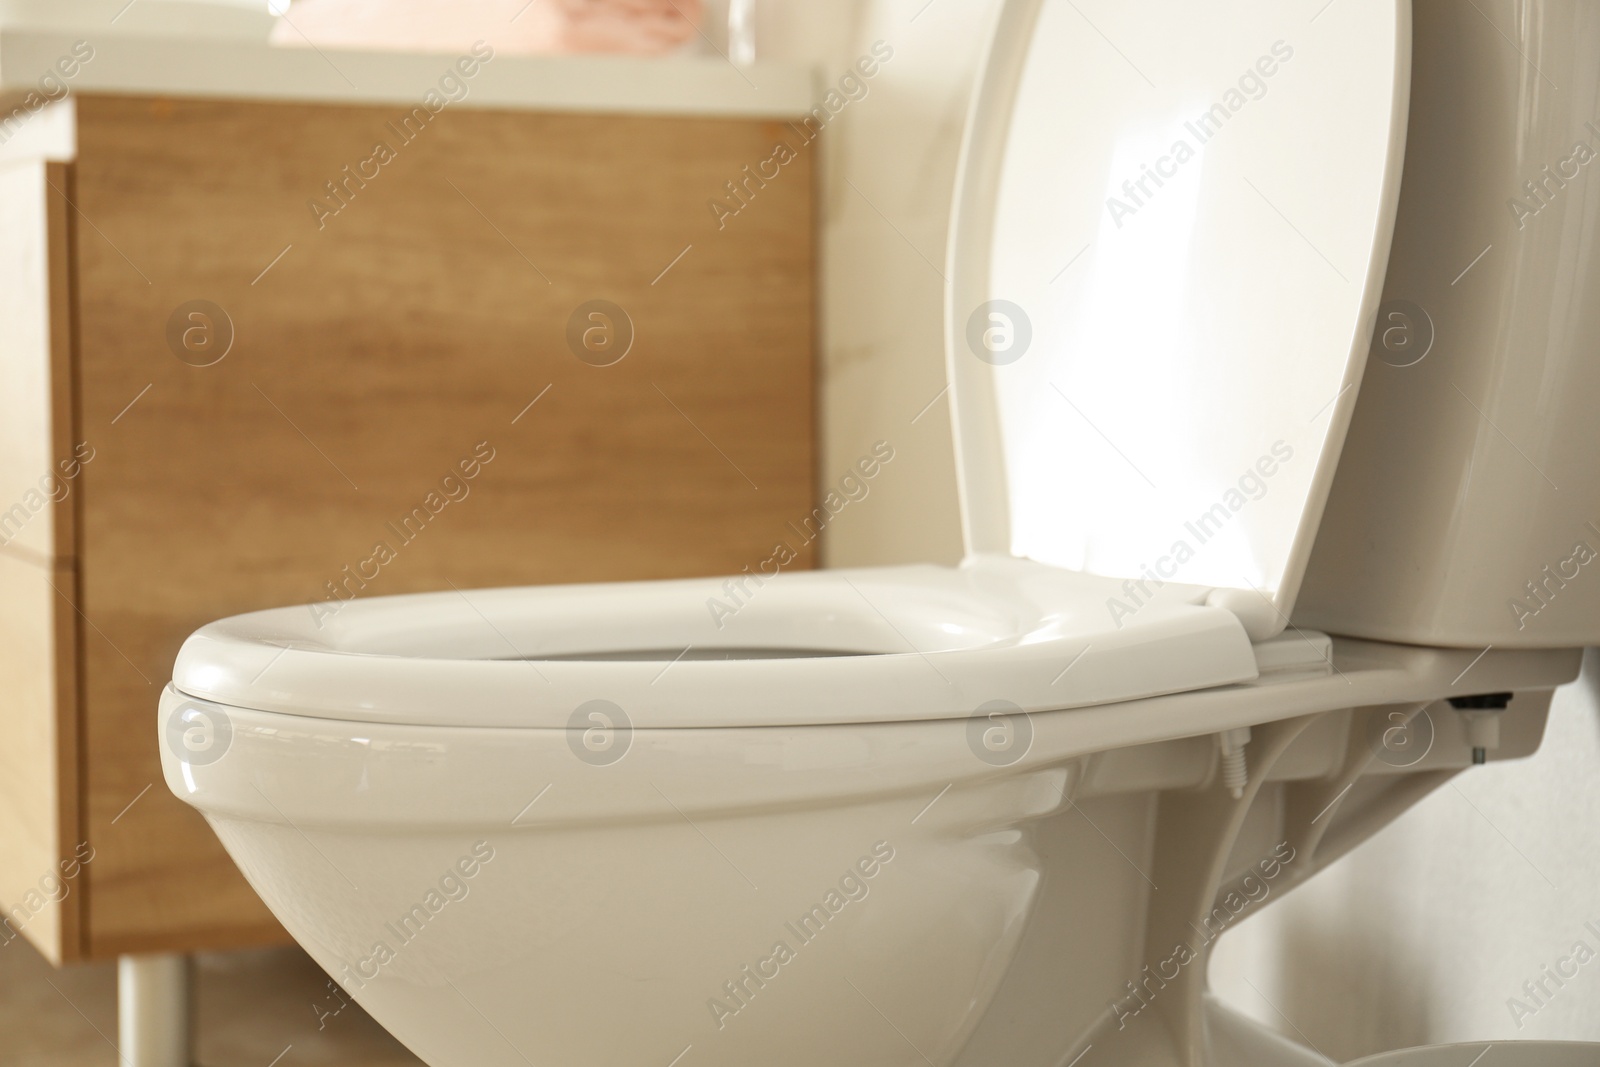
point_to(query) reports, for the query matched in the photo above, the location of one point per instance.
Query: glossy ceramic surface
(495, 898)
(1506, 1053)
(1466, 510)
(502, 896)
(1164, 268)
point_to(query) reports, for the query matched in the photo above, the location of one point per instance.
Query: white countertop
(147, 64)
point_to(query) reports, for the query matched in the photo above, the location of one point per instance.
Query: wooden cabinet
(215, 397)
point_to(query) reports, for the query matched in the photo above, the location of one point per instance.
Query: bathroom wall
(888, 170)
(1422, 935)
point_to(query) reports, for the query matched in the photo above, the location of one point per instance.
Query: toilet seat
(1139, 493)
(869, 645)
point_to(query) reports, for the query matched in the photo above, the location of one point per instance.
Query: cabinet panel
(370, 352)
(35, 360)
(42, 883)
(41, 889)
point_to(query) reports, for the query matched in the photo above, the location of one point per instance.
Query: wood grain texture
(41, 889)
(368, 362)
(36, 423)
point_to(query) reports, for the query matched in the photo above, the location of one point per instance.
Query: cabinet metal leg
(153, 1010)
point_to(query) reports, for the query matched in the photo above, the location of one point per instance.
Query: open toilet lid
(1168, 246)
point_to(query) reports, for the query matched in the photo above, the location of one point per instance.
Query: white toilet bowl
(612, 788)
(993, 814)
(732, 869)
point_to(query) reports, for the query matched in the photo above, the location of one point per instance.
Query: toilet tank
(1466, 506)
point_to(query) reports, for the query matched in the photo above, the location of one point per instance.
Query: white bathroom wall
(885, 196)
(1423, 934)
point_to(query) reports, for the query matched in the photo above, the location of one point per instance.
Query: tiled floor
(252, 1007)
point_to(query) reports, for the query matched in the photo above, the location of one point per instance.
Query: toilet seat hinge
(1235, 767)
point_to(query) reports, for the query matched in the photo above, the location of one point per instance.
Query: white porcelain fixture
(920, 815)
(1528, 1054)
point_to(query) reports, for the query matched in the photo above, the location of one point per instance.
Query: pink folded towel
(512, 27)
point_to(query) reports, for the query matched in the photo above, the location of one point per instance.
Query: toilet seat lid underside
(1167, 250)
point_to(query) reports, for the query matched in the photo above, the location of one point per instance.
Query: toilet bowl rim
(317, 771)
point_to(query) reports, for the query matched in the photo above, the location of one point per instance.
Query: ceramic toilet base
(1494, 1054)
(1238, 1041)
(1233, 1040)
